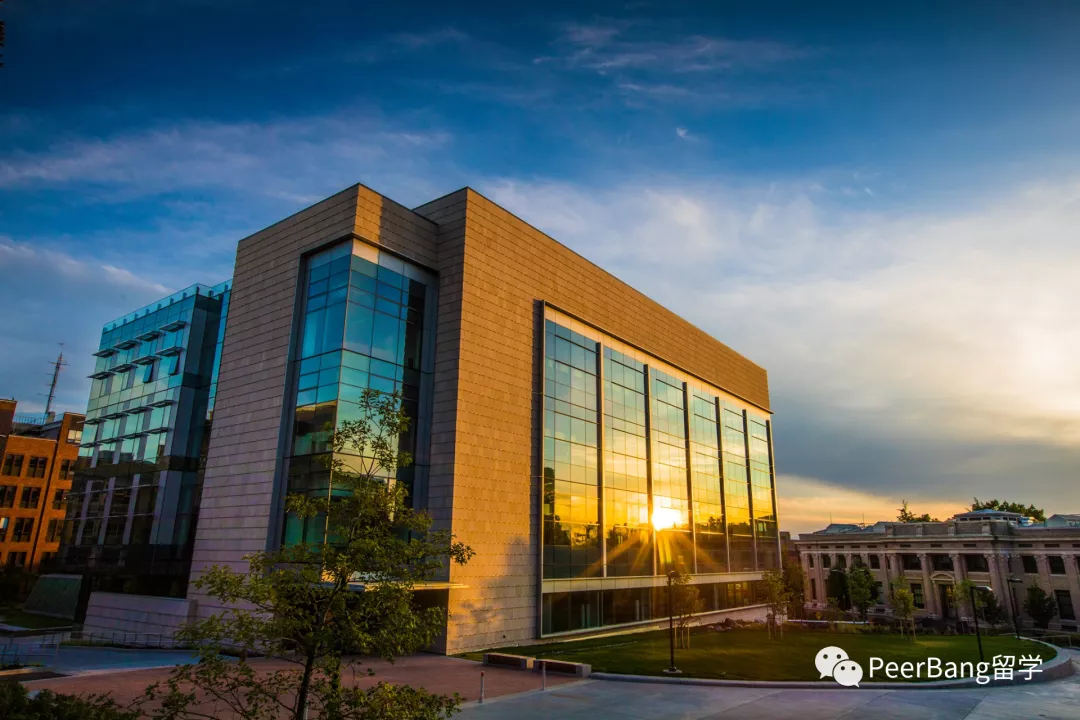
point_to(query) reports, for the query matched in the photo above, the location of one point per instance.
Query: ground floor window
(582, 610)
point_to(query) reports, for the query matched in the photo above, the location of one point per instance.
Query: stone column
(1045, 579)
(886, 585)
(807, 574)
(929, 595)
(1073, 573)
(958, 568)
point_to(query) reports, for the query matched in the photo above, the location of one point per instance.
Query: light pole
(1012, 599)
(975, 615)
(672, 670)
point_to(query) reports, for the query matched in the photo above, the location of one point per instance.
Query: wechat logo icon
(834, 662)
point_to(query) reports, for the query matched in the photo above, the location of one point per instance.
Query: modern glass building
(133, 506)
(582, 439)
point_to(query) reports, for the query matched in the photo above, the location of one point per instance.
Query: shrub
(46, 705)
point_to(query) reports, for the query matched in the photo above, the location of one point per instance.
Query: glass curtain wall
(133, 507)
(670, 491)
(705, 480)
(761, 488)
(363, 328)
(685, 482)
(571, 449)
(737, 490)
(627, 531)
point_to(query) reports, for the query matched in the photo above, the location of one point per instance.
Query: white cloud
(936, 351)
(805, 504)
(54, 297)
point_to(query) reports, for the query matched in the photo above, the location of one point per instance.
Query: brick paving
(436, 673)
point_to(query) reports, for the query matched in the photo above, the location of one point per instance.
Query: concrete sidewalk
(593, 699)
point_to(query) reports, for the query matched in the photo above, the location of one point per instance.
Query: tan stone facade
(495, 274)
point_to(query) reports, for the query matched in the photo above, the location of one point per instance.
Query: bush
(46, 705)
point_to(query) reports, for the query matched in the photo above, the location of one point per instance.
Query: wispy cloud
(607, 47)
(296, 159)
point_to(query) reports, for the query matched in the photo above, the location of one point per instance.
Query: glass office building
(133, 507)
(646, 470)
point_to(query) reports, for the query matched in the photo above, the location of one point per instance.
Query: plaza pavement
(600, 699)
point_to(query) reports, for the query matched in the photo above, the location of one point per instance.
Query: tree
(777, 597)
(1030, 511)
(795, 581)
(1041, 606)
(862, 589)
(836, 587)
(906, 516)
(903, 603)
(348, 592)
(961, 597)
(686, 603)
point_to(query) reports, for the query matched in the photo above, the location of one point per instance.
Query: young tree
(686, 603)
(861, 589)
(1041, 606)
(777, 597)
(348, 592)
(903, 603)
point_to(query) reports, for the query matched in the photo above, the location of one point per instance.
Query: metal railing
(30, 650)
(161, 641)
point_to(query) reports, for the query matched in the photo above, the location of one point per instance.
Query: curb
(1057, 668)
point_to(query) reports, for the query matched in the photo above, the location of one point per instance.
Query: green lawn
(11, 616)
(746, 654)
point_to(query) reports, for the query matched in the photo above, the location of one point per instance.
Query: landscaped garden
(748, 653)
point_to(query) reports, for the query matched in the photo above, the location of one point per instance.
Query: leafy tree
(777, 597)
(862, 590)
(686, 603)
(309, 604)
(1030, 511)
(1041, 606)
(836, 587)
(903, 603)
(17, 704)
(906, 516)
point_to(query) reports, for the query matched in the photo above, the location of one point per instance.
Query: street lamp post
(671, 670)
(1012, 600)
(975, 614)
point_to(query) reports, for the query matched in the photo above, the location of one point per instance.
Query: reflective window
(671, 494)
(362, 329)
(571, 469)
(627, 530)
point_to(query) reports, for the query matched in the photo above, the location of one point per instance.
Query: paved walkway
(437, 673)
(594, 699)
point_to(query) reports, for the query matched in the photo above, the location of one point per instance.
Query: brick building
(38, 455)
(994, 549)
(581, 438)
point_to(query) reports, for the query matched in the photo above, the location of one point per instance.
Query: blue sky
(879, 204)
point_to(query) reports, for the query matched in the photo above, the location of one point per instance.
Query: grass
(31, 622)
(749, 654)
